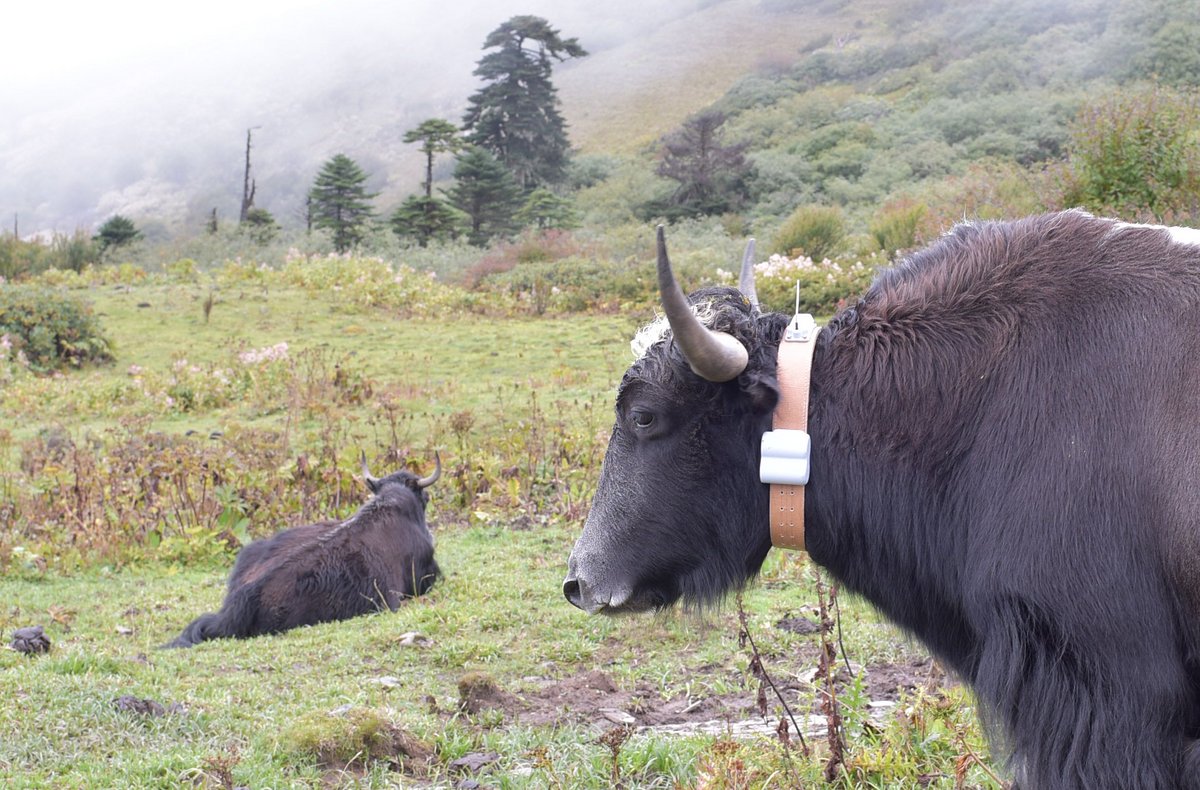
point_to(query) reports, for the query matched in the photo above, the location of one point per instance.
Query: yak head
(380, 486)
(679, 512)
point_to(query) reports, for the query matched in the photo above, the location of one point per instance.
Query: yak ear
(763, 390)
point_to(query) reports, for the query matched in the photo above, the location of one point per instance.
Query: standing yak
(333, 570)
(1005, 460)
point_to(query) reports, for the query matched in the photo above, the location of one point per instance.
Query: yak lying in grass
(333, 570)
(1005, 460)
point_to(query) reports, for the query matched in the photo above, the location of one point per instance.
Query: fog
(142, 107)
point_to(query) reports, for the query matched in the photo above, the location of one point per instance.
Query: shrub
(19, 259)
(824, 285)
(73, 252)
(362, 282)
(814, 231)
(896, 226)
(50, 329)
(993, 190)
(90, 275)
(184, 270)
(530, 247)
(1136, 153)
(574, 284)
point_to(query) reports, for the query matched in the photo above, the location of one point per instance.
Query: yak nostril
(572, 590)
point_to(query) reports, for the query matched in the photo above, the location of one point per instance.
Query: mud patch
(889, 682)
(595, 700)
(478, 692)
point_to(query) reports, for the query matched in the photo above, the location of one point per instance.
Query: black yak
(332, 570)
(1005, 460)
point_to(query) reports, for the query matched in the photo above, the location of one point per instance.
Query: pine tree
(260, 225)
(485, 191)
(340, 203)
(543, 210)
(515, 114)
(436, 136)
(425, 219)
(117, 231)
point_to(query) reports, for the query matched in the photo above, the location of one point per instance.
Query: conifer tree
(544, 210)
(117, 231)
(515, 114)
(260, 225)
(340, 203)
(436, 136)
(425, 217)
(486, 192)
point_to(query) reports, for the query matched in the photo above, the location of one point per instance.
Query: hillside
(848, 102)
(622, 98)
(165, 143)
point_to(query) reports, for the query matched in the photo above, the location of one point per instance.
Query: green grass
(263, 712)
(421, 359)
(498, 611)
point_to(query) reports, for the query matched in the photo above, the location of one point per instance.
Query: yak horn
(425, 482)
(715, 356)
(746, 279)
(372, 481)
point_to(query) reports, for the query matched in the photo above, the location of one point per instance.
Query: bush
(824, 285)
(530, 247)
(20, 259)
(89, 276)
(73, 252)
(184, 270)
(363, 282)
(1137, 154)
(896, 226)
(50, 329)
(814, 231)
(574, 284)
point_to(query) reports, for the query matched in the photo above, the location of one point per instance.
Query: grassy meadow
(240, 397)
(127, 488)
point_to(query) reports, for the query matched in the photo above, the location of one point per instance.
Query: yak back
(331, 570)
(377, 557)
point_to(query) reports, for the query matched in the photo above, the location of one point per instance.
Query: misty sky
(59, 49)
(109, 106)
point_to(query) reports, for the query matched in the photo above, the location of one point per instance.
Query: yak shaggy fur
(333, 570)
(1009, 467)
(1006, 462)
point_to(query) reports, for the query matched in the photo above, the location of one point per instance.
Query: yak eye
(642, 419)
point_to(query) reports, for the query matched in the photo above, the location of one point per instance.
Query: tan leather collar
(793, 370)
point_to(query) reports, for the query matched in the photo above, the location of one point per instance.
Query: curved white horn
(425, 482)
(715, 356)
(746, 278)
(372, 481)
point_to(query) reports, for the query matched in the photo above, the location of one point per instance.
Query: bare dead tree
(248, 184)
